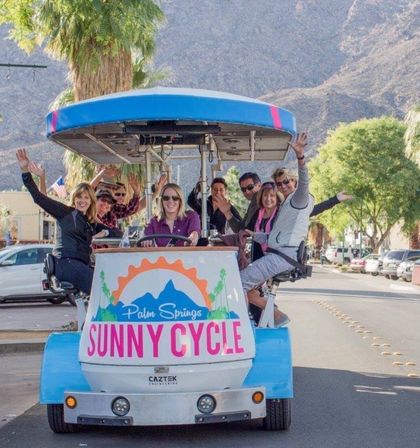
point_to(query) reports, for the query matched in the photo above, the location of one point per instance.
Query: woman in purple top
(173, 219)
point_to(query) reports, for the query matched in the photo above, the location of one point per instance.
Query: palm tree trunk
(114, 73)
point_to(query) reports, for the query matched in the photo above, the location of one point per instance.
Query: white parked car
(334, 254)
(21, 273)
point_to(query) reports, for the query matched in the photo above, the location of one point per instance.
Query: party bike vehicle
(166, 338)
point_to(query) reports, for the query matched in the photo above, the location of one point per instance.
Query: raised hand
(38, 170)
(134, 184)
(111, 171)
(299, 145)
(163, 179)
(222, 204)
(23, 160)
(344, 197)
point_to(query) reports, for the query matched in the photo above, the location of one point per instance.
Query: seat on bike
(296, 273)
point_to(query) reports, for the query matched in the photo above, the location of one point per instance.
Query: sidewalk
(20, 341)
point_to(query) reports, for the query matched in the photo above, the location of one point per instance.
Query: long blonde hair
(181, 210)
(77, 191)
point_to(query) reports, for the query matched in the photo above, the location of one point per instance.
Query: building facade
(22, 220)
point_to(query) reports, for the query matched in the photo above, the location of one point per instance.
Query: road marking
(345, 319)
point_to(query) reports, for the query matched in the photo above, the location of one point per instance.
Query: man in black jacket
(216, 218)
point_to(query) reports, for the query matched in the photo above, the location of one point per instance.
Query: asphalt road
(35, 315)
(356, 346)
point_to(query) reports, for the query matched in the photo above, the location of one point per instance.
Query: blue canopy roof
(108, 129)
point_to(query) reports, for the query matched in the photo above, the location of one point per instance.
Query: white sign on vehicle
(159, 308)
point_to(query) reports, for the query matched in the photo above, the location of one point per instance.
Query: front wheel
(374, 273)
(279, 414)
(394, 277)
(55, 413)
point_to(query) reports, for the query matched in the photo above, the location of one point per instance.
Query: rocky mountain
(328, 61)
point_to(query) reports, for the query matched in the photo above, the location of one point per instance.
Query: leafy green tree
(412, 135)
(234, 191)
(366, 158)
(412, 151)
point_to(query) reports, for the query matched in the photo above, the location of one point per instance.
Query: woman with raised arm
(76, 226)
(172, 219)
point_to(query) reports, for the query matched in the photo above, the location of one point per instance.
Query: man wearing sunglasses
(216, 217)
(250, 184)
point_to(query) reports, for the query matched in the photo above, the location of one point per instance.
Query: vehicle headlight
(120, 406)
(206, 404)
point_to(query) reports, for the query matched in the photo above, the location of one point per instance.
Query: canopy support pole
(149, 194)
(203, 181)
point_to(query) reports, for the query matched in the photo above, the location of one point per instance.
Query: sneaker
(280, 319)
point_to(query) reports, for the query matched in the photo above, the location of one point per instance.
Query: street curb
(21, 347)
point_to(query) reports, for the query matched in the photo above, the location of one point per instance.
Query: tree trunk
(415, 237)
(114, 73)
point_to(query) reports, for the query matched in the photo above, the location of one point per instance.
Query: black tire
(394, 277)
(374, 273)
(56, 300)
(386, 276)
(279, 414)
(55, 413)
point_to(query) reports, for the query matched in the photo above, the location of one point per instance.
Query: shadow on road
(331, 408)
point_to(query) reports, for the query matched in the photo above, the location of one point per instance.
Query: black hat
(105, 194)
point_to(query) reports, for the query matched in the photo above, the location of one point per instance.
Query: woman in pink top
(172, 219)
(268, 200)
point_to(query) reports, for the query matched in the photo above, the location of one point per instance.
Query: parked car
(359, 264)
(338, 254)
(374, 265)
(21, 273)
(393, 259)
(405, 269)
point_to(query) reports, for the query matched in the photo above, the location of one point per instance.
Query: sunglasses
(168, 198)
(283, 182)
(248, 188)
(119, 194)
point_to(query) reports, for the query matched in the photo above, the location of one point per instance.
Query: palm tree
(106, 43)
(95, 37)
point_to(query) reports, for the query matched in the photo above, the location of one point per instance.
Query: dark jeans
(79, 274)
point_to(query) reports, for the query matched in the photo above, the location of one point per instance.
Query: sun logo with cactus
(182, 295)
